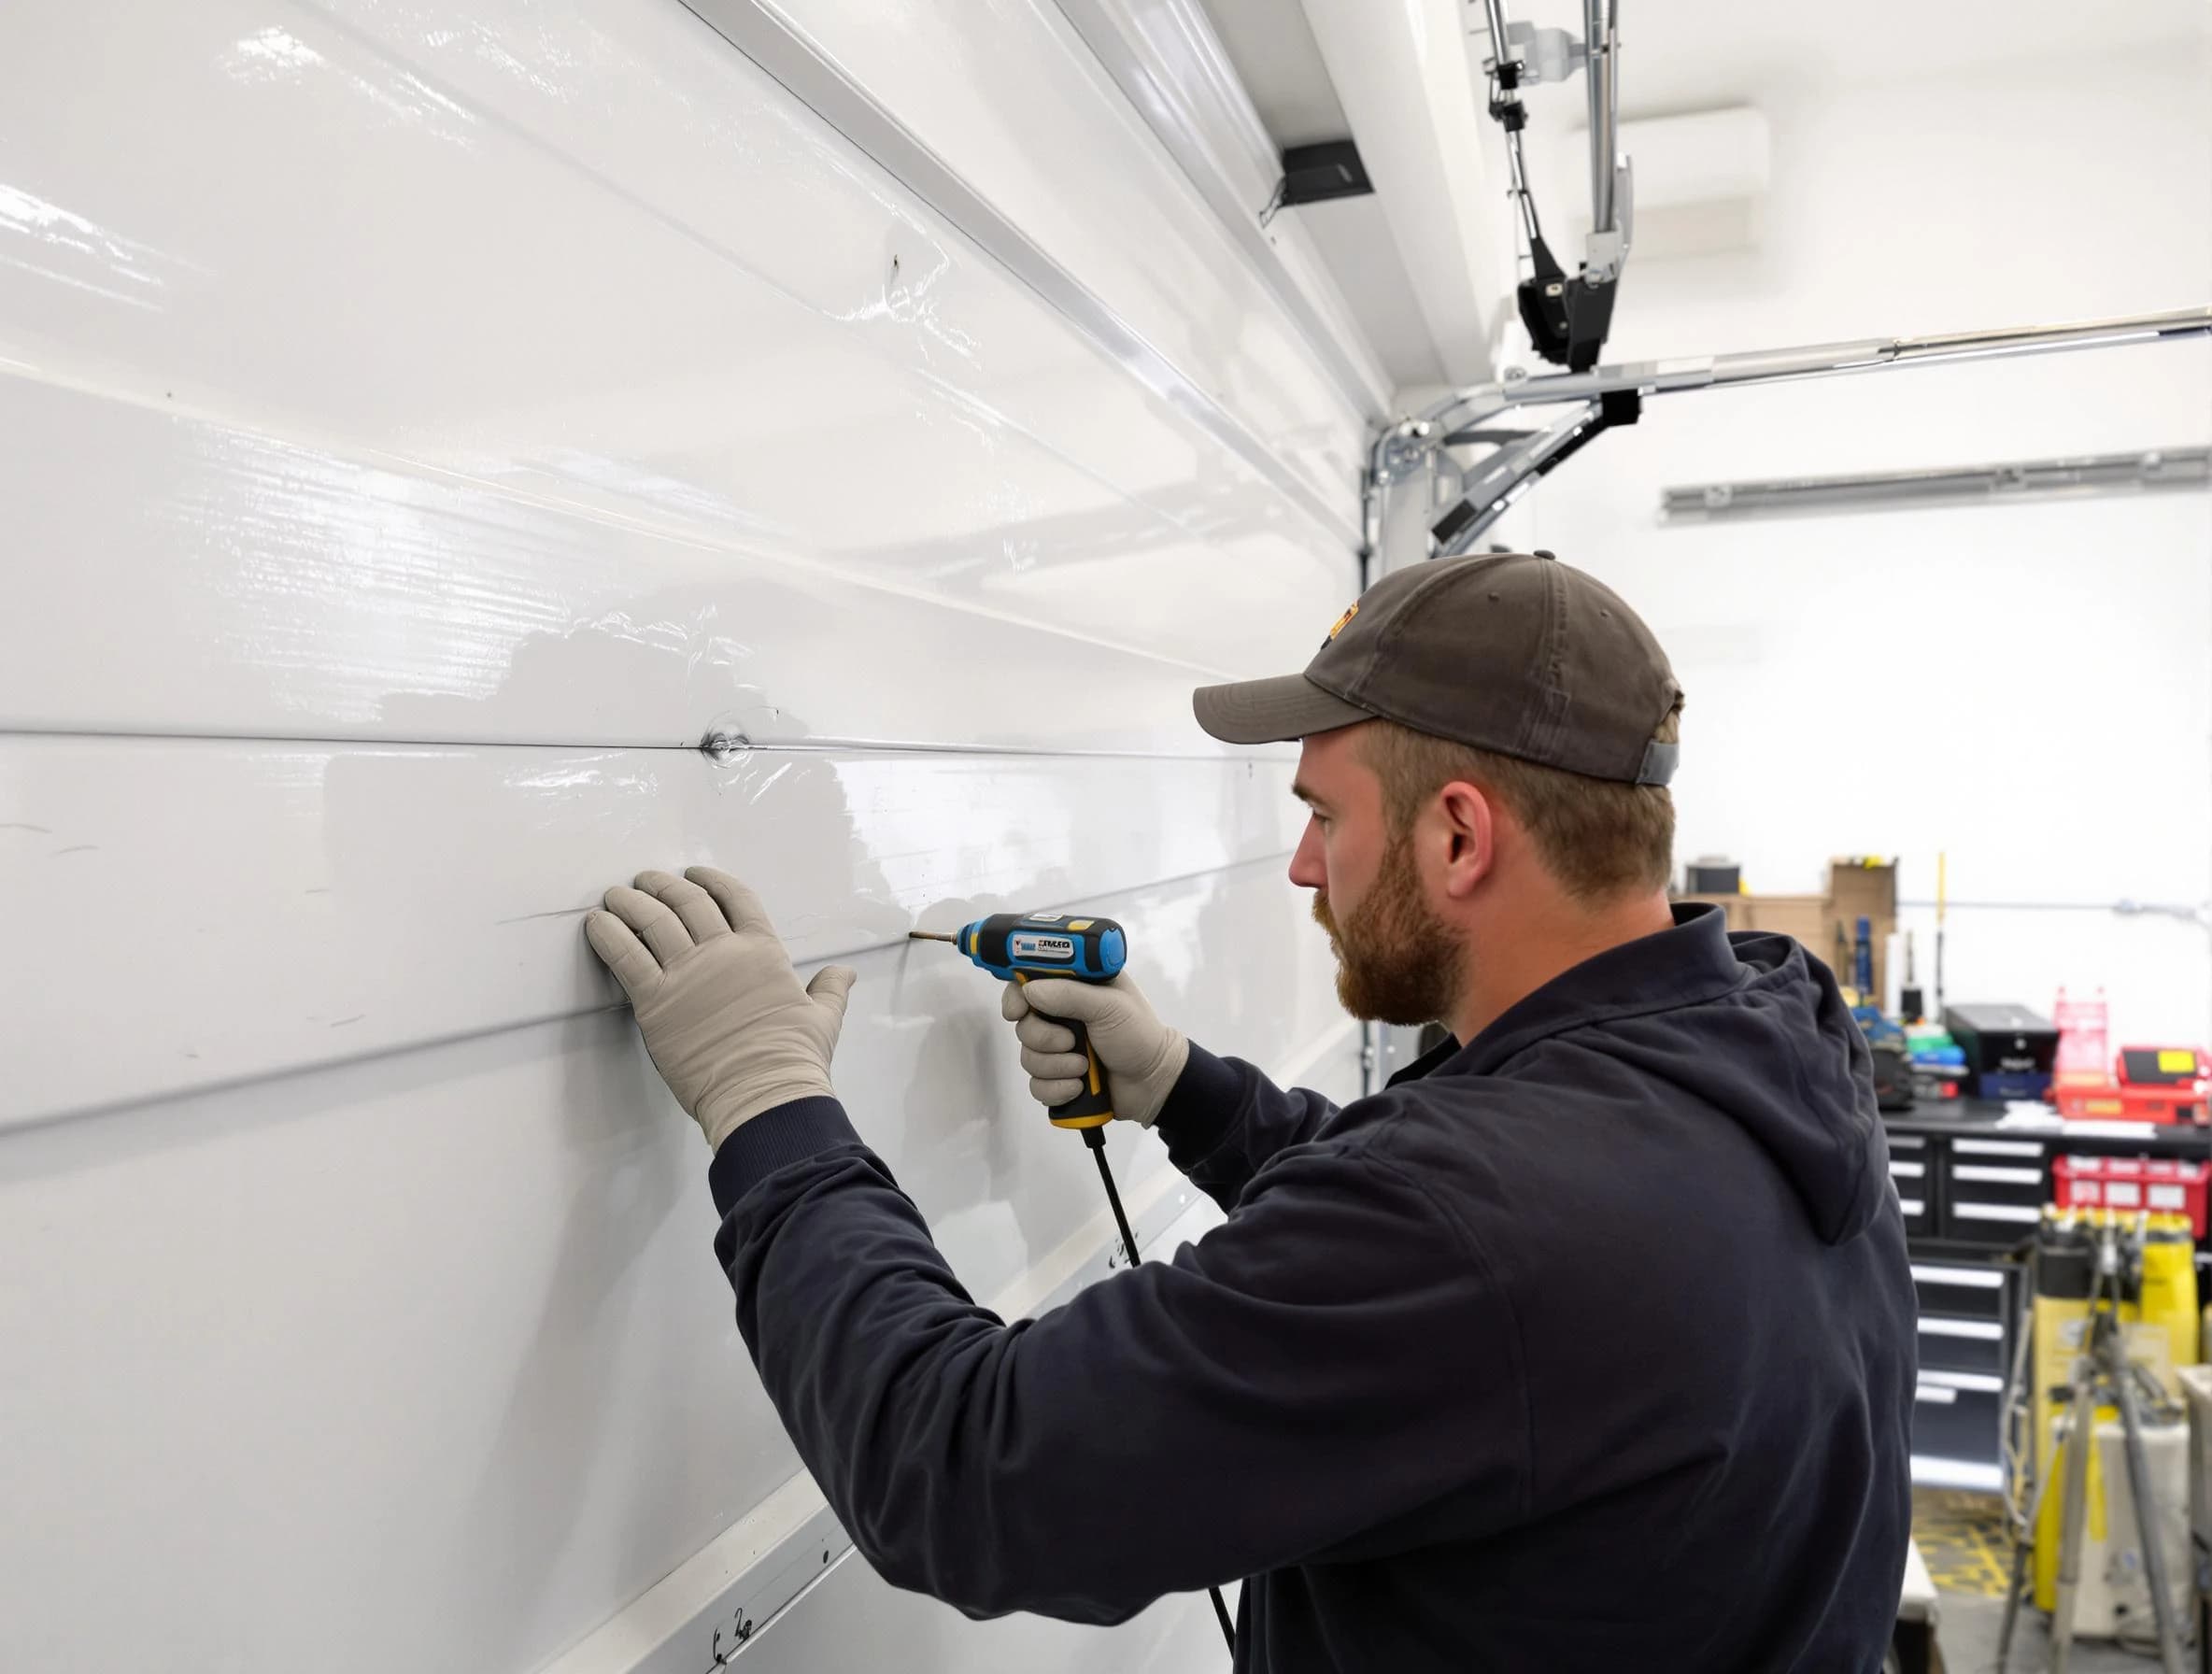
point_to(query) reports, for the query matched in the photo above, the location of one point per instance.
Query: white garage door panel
(424, 1362)
(409, 1366)
(1024, 111)
(175, 576)
(689, 314)
(424, 421)
(286, 906)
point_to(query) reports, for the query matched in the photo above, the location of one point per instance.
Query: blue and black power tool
(1015, 946)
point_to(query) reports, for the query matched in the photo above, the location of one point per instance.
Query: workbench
(1973, 1190)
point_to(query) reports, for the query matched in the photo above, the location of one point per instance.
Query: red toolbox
(2131, 1184)
(2150, 1083)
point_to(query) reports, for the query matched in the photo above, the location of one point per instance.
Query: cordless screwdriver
(1015, 946)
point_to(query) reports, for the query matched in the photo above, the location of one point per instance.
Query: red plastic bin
(2131, 1184)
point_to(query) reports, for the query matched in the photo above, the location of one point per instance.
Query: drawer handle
(1998, 1176)
(1988, 1330)
(2016, 1212)
(1964, 1380)
(1935, 1395)
(1971, 1277)
(1996, 1148)
(1912, 1205)
(1908, 1171)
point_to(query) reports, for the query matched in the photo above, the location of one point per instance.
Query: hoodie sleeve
(1155, 1435)
(1223, 1120)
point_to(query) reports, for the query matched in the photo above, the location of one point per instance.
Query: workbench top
(1981, 1118)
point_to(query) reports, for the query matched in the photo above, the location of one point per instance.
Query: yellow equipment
(2158, 1312)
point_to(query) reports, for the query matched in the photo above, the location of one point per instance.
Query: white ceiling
(1272, 48)
(1353, 236)
(1695, 54)
(1677, 56)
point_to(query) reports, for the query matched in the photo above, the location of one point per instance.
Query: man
(1586, 1345)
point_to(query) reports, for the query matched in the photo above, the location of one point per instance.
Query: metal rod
(2073, 1451)
(1517, 172)
(1507, 91)
(1598, 45)
(2147, 1515)
(2124, 907)
(2154, 468)
(1494, 13)
(1824, 359)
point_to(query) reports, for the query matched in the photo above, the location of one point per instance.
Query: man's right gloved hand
(1143, 1056)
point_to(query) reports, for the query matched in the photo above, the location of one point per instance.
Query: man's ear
(1469, 829)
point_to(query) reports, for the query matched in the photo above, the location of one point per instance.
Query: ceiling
(1272, 48)
(1695, 54)
(1685, 55)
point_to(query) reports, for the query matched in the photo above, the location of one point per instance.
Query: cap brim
(1271, 711)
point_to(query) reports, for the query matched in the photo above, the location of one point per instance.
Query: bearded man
(1588, 1343)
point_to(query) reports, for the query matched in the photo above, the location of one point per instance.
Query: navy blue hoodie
(1587, 1346)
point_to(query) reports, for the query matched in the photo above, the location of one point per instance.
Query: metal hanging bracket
(1412, 445)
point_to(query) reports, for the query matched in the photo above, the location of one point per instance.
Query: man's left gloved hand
(728, 1027)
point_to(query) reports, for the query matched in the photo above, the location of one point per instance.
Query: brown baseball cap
(1515, 652)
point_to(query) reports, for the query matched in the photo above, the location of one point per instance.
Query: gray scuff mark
(342, 1022)
(187, 1054)
(556, 913)
(319, 889)
(12, 826)
(81, 848)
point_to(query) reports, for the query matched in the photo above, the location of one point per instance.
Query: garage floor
(1961, 1540)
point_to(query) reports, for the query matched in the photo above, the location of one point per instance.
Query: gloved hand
(728, 1027)
(1143, 1056)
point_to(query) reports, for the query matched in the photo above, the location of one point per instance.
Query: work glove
(728, 1027)
(1143, 1056)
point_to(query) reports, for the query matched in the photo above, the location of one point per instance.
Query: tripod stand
(2103, 1376)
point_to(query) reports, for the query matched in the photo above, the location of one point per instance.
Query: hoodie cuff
(775, 1139)
(1205, 1102)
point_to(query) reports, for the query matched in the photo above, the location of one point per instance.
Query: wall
(2028, 688)
(426, 425)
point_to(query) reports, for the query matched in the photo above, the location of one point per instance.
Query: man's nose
(1307, 868)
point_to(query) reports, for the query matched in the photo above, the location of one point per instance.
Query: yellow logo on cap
(1342, 620)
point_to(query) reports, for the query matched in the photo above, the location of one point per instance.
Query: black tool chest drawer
(1966, 1339)
(1961, 1345)
(1908, 1173)
(1992, 1190)
(1956, 1417)
(1962, 1290)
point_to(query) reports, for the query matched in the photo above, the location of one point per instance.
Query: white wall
(421, 428)
(2028, 688)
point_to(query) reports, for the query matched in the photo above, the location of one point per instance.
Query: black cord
(1221, 1614)
(1096, 1139)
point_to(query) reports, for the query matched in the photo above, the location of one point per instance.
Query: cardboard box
(1856, 889)
(1804, 917)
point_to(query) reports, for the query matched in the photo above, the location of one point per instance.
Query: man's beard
(1395, 963)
